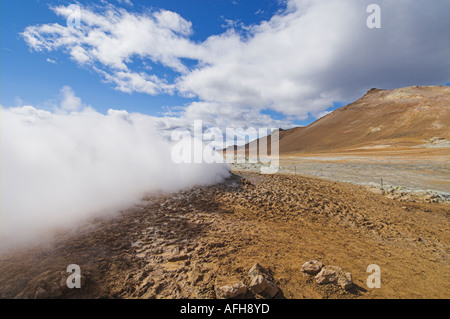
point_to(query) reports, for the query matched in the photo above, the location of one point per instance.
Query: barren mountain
(407, 118)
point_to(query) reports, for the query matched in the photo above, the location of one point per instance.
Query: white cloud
(113, 37)
(297, 63)
(173, 21)
(128, 2)
(322, 114)
(69, 101)
(130, 82)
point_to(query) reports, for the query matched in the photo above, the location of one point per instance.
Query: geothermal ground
(409, 173)
(189, 244)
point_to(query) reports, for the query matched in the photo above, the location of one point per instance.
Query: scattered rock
(334, 275)
(312, 267)
(231, 291)
(345, 281)
(326, 276)
(260, 281)
(261, 285)
(257, 269)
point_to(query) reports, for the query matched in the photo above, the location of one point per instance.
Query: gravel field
(430, 177)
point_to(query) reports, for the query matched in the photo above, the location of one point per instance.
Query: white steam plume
(58, 169)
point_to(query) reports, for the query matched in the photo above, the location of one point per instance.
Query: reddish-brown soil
(189, 243)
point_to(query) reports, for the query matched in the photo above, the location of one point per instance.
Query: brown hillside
(411, 117)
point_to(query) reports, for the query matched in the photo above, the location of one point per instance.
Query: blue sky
(28, 78)
(279, 63)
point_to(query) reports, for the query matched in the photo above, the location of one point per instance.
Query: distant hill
(382, 119)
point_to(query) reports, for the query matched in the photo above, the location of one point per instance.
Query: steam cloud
(58, 169)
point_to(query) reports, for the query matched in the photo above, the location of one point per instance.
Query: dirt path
(187, 244)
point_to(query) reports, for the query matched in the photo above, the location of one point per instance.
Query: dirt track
(186, 244)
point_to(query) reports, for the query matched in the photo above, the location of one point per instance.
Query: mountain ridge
(409, 117)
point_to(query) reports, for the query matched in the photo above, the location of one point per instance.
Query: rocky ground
(206, 243)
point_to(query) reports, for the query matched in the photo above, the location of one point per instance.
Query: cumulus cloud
(59, 168)
(298, 62)
(130, 82)
(112, 37)
(69, 101)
